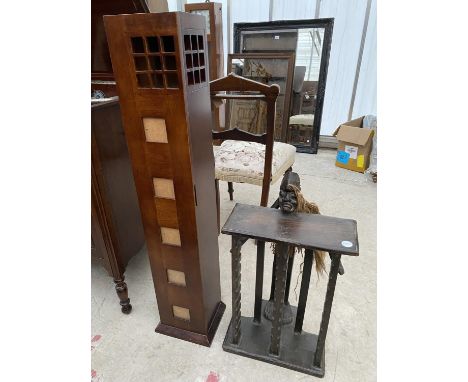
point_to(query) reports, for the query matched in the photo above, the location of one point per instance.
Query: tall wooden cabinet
(160, 65)
(212, 12)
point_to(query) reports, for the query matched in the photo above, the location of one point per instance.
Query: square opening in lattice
(155, 62)
(200, 42)
(197, 76)
(188, 61)
(195, 59)
(168, 43)
(137, 45)
(181, 313)
(170, 236)
(143, 80)
(157, 80)
(190, 78)
(170, 62)
(194, 42)
(201, 57)
(202, 75)
(176, 277)
(187, 42)
(172, 80)
(163, 188)
(140, 63)
(155, 130)
(152, 42)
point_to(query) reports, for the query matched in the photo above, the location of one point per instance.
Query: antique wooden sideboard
(116, 228)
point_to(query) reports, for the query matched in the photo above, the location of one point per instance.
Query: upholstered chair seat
(243, 162)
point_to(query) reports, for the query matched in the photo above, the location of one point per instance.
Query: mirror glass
(307, 44)
(268, 69)
(306, 76)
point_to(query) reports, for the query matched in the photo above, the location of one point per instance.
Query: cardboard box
(354, 145)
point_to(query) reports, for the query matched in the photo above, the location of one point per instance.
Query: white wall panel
(366, 93)
(293, 10)
(172, 5)
(347, 32)
(244, 11)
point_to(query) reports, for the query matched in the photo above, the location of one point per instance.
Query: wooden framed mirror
(267, 68)
(310, 40)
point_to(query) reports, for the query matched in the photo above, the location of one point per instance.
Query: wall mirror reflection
(310, 41)
(267, 68)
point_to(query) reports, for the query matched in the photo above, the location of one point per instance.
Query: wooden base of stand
(197, 338)
(297, 351)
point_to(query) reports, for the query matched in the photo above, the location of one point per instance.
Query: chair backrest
(246, 89)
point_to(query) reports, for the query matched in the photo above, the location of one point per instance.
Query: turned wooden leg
(306, 271)
(288, 279)
(280, 287)
(259, 281)
(122, 292)
(236, 289)
(335, 266)
(231, 191)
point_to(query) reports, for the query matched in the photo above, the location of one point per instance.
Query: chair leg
(231, 191)
(218, 206)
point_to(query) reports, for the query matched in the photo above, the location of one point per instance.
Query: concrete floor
(126, 348)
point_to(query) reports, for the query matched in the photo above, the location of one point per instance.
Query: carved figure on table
(291, 200)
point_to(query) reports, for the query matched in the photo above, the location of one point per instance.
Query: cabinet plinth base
(197, 338)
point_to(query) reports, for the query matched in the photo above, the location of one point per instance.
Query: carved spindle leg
(287, 317)
(306, 271)
(259, 281)
(280, 287)
(236, 289)
(288, 280)
(272, 289)
(122, 292)
(231, 191)
(335, 265)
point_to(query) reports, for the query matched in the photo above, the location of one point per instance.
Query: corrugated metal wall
(345, 76)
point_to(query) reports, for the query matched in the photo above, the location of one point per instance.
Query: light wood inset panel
(155, 130)
(163, 188)
(170, 236)
(176, 277)
(182, 313)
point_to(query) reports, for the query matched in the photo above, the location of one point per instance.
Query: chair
(244, 157)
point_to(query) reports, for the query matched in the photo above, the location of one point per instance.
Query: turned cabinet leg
(122, 292)
(231, 191)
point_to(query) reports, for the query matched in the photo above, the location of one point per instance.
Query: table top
(311, 231)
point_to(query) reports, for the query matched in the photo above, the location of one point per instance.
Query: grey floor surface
(126, 348)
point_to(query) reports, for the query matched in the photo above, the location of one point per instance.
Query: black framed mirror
(310, 40)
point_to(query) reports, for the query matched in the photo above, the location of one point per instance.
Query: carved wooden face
(287, 199)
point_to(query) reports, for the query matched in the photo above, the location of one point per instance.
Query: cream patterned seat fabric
(243, 162)
(302, 119)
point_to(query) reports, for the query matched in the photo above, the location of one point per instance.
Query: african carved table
(276, 342)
